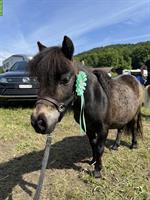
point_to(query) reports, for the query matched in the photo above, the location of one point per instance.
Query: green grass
(146, 111)
(125, 173)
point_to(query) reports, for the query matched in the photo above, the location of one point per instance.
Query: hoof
(133, 146)
(92, 162)
(114, 147)
(97, 174)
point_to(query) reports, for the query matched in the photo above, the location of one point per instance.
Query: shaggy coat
(109, 103)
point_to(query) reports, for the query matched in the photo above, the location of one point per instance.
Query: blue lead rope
(80, 88)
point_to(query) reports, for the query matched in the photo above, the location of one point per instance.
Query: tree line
(125, 56)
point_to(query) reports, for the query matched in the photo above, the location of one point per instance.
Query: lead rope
(44, 165)
(80, 88)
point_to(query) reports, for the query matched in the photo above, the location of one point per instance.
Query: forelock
(49, 63)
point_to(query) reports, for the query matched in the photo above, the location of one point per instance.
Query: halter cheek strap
(61, 107)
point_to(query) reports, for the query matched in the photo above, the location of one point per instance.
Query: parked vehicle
(16, 85)
(10, 61)
(135, 72)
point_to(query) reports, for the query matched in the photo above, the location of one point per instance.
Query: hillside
(119, 55)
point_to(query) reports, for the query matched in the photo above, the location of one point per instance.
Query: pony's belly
(123, 116)
(117, 125)
(119, 120)
(123, 107)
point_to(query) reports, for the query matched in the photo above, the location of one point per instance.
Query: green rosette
(81, 83)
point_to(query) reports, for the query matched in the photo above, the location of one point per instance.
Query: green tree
(140, 55)
(125, 56)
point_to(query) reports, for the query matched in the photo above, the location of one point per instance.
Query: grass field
(125, 174)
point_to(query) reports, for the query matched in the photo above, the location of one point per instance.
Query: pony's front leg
(92, 140)
(100, 144)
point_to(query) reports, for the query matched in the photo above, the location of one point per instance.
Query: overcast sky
(90, 23)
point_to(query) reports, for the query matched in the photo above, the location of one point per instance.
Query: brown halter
(60, 106)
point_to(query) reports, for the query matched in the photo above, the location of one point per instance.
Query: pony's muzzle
(44, 123)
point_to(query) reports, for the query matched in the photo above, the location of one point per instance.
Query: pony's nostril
(41, 124)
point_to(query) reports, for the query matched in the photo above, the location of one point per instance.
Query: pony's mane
(48, 63)
(105, 81)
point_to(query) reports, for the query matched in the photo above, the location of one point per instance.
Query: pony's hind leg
(136, 128)
(134, 143)
(116, 144)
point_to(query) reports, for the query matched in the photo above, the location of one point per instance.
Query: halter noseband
(61, 107)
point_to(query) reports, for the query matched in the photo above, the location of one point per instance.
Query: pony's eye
(65, 80)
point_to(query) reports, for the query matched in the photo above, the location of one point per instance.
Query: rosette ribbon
(81, 80)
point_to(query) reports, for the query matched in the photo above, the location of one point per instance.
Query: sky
(89, 23)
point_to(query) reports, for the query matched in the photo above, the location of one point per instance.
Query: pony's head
(55, 72)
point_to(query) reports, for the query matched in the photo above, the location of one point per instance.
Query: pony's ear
(41, 46)
(68, 47)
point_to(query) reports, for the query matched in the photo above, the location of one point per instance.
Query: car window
(19, 66)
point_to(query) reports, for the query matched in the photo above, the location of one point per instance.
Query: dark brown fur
(109, 103)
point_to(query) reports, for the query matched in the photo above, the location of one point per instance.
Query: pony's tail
(139, 124)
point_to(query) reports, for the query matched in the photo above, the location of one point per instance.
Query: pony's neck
(95, 97)
(94, 91)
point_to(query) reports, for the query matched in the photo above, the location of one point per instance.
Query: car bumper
(18, 97)
(18, 94)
